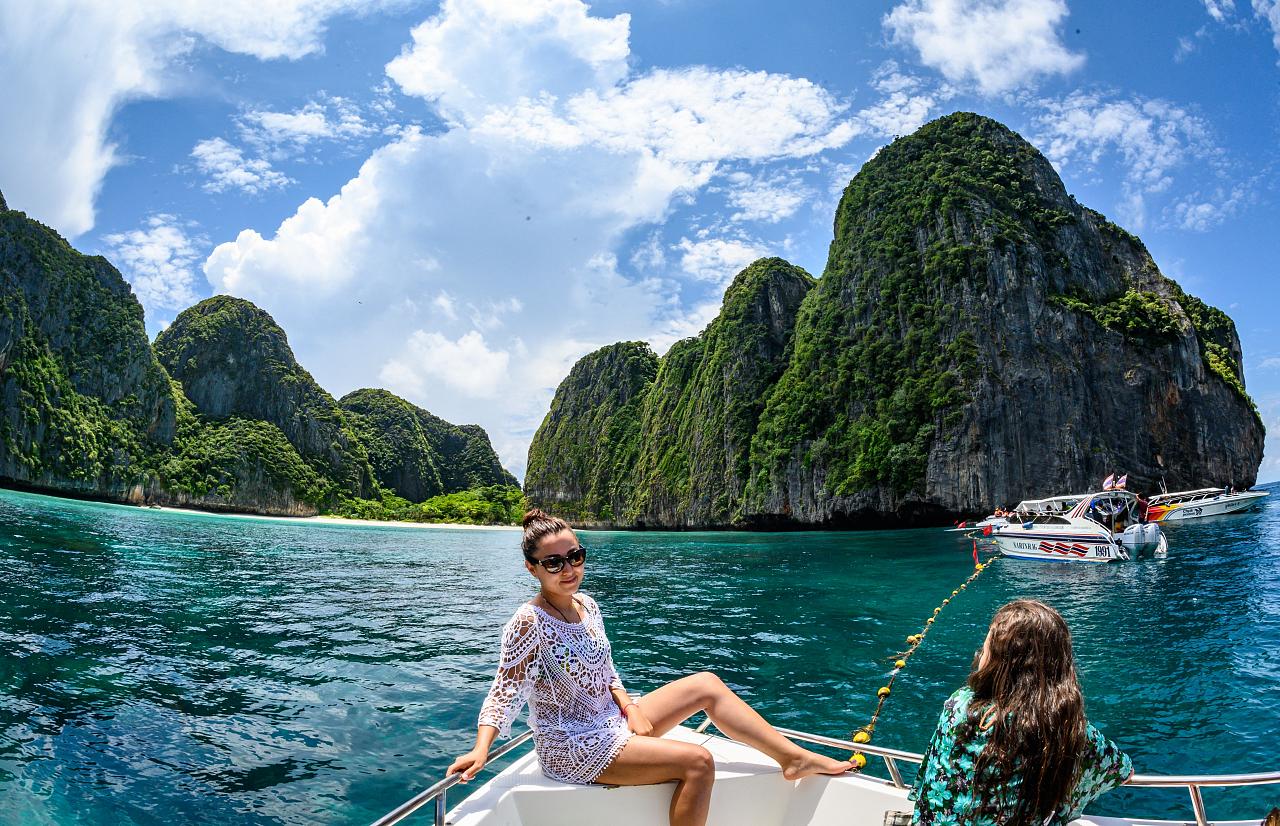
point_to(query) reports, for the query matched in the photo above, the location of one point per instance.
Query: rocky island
(977, 337)
(217, 415)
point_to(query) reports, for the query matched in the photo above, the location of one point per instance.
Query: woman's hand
(636, 721)
(469, 764)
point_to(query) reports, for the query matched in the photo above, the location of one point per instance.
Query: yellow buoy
(883, 692)
(900, 664)
(929, 621)
(862, 737)
(859, 761)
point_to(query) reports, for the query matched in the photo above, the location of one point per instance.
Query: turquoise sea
(158, 667)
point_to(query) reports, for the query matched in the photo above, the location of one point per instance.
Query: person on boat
(587, 728)
(1013, 746)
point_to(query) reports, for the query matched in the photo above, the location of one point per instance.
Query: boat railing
(439, 792)
(1192, 783)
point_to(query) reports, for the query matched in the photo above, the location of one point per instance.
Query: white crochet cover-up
(564, 671)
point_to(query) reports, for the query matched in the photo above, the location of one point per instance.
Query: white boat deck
(749, 791)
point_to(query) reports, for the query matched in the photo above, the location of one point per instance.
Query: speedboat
(1190, 504)
(749, 791)
(1101, 527)
(1026, 510)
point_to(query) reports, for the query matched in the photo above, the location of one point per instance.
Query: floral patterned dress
(945, 791)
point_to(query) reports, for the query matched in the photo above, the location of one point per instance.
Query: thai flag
(1109, 482)
(1120, 483)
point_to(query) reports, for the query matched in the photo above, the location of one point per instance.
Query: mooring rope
(864, 734)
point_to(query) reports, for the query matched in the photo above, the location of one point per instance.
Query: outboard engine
(1141, 539)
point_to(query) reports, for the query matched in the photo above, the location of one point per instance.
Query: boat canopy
(1186, 495)
(1107, 503)
(1054, 504)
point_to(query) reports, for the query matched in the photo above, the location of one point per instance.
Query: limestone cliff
(977, 337)
(582, 459)
(699, 414)
(85, 407)
(232, 359)
(417, 454)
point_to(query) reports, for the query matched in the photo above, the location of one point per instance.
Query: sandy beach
(331, 520)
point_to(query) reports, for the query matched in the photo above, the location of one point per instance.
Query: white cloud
(1153, 138)
(1272, 363)
(1200, 212)
(160, 261)
(1269, 12)
(556, 163)
(445, 304)
(767, 198)
(467, 366)
(478, 54)
(718, 260)
(68, 67)
(999, 45)
(325, 119)
(1219, 10)
(226, 167)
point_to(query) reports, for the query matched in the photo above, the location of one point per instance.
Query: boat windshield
(1112, 509)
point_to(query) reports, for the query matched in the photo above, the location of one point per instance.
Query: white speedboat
(749, 791)
(1026, 510)
(1190, 504)
(1101, 527)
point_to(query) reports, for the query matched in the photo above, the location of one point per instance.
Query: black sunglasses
(555, 562)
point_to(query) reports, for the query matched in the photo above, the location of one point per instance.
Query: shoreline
(296, 520)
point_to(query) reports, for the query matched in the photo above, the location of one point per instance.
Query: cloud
(1201, 213)
(160, 260)
(325, 119)
(717, 260)
(227, 168)
(1152, 138)
(467, 365)
(998, 45)
(766, 198)
(1269, 12)
(1272, 363)
(558, 163)
(478, 54)
(69, 66)
(1219, 10)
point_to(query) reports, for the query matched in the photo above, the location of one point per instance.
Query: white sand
(337, 520)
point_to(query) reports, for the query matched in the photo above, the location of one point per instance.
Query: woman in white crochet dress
(587, 729)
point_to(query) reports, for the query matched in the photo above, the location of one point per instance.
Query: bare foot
(807, 762)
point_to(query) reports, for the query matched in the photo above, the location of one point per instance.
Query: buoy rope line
(900, 660)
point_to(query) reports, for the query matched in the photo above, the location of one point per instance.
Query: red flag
(975, 549)
(986, 531)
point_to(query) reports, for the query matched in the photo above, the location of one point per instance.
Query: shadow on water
(159, 667)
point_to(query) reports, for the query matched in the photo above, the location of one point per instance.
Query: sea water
(160, 667)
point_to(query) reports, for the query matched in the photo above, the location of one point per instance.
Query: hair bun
(533, 515)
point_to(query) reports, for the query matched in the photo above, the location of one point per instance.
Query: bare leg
(680, 699)
(646, 760)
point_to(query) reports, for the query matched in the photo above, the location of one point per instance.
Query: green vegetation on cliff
(233, 360)
(491, 505)
(420, 455)
(85, 403)
(581, 458)
(1141, 315)
(881, 355)
(703, 407)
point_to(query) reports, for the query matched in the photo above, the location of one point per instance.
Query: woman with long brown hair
(1013, 746)
(587, 728)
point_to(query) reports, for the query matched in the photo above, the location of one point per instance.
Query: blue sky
(457, 200)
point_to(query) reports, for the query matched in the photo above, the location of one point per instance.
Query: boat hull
(1220, 506)
(1058, 549)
